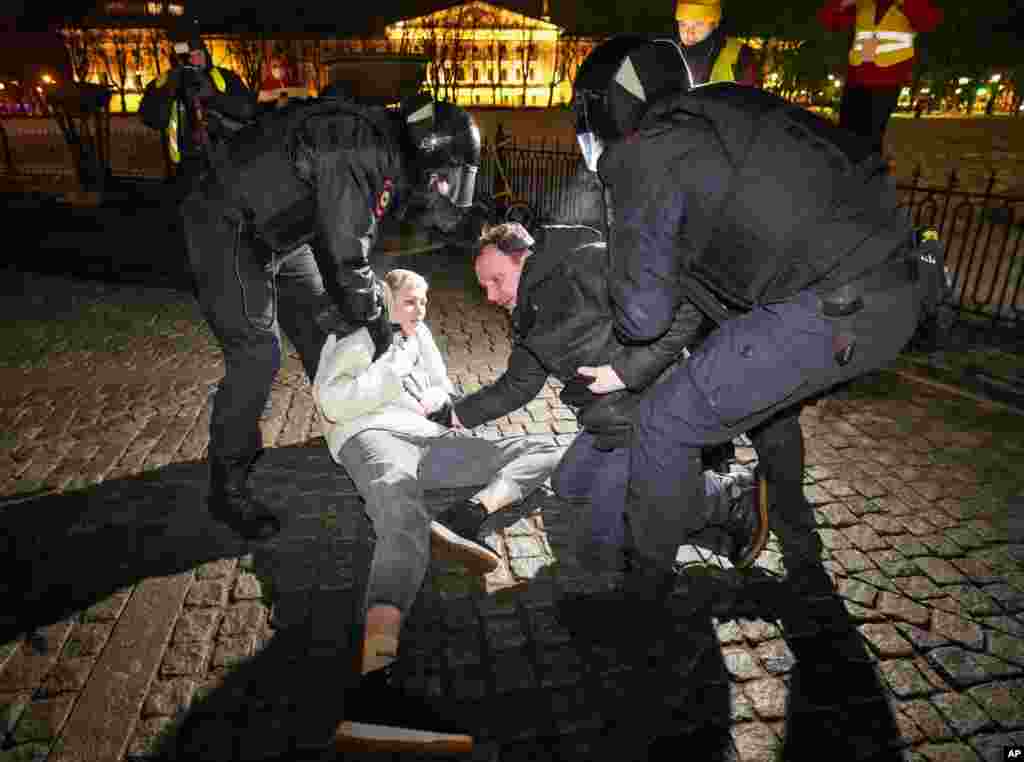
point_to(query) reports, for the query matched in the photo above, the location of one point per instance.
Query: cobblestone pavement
(135, 628)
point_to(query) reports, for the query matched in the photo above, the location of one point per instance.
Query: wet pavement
(135, 628)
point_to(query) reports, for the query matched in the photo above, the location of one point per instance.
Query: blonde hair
(397, 279)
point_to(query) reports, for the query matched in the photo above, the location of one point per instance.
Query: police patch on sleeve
(384, 198)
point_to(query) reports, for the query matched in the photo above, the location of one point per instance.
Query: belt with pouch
(848, 299)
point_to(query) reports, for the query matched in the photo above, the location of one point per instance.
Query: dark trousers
(866, 111)
(248, 296)
(745, 373)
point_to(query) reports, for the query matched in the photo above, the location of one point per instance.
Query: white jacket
(354, 394)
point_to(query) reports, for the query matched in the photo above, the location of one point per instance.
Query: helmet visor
(591, 146)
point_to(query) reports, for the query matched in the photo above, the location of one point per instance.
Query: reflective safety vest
(724, 69)
(894, 34)
(178, 113)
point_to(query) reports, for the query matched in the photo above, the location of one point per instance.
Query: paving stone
(948, 752)
(931, 722)
(957, 629)
(864, 537)
(940, 571)
(759, 630)
(858, 591)
(246, 617)
(247, 588)
(900, 607)
(999, 701)
(776, 657)
(43, 720)
(185, 658)
(768, 697)
(741, 664)
(512, 672)
(27, 666)
(1006, 647)
(922, 639)
(755, 742)
(919, 588)
(910, 732)
(853, 560)
(962, 713)
(169, 697)
(833, 539)
(1008, 624)
(976, 570)
(196, 624)
(835, 515)
(231, 652)
(893, 563)
(941, 546)
(68, 675)
(886, 640)
(729, 632)
(859, 614)
(966, 669)
(208, 592)
(504, 632)
(1009, 597)
(991, 747)
(905, 680)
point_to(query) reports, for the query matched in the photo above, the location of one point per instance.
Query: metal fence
(981, 230)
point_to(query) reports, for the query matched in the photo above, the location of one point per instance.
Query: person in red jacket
(881, 60)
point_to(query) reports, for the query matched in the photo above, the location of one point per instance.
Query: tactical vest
(265, 172)
(178, 116)
(805, 203)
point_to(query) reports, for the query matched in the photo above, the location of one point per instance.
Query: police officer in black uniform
(196, 105)
(320, 174)
(777, 224)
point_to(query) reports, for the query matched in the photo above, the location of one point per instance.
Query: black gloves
(382, 332)
(610, 419)
(443, 415)
(330, 320)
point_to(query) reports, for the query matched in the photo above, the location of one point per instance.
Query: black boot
(747, 521)
(380, 717)
(231, 500)
(454, 535)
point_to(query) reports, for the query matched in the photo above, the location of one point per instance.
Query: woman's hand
(605, 378)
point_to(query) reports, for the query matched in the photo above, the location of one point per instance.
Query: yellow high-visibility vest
(724, 69)
(178, 113)
(894, 34)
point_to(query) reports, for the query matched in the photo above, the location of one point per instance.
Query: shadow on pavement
(503, 664)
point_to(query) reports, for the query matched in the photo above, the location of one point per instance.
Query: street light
(963, 80)
(996, 77)
(47, 79)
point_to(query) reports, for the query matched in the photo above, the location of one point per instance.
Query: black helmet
(615, 86)
(445, 141)
(185, 39)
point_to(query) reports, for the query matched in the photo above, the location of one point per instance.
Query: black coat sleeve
(638, 365)
(345, 184)
(518, 385)
(649, 209)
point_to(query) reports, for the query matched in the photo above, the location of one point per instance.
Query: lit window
(476, 73)
(176, 10)
(504, 74)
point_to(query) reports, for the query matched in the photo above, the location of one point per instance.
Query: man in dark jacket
(562, 322)
(778, 224)
(196, 105)
(320, 173)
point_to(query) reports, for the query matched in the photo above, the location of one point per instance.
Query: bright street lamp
(996, 77)
(963, 80)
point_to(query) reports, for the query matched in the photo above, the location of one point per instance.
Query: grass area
(53, 315)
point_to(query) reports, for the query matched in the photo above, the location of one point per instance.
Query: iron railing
(981, 230)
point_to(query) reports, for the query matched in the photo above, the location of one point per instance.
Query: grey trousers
(392, 471)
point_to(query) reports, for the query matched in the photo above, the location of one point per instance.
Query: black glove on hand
(443, 415)
(382, 332)
(330, 320)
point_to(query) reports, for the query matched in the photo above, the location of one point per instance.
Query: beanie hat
(698, 10)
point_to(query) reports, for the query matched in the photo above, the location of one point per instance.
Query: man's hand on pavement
(605, 378)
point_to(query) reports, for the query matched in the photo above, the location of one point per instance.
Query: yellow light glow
(47, 79)
(996, 77)
(963, 80)
(925, 90)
